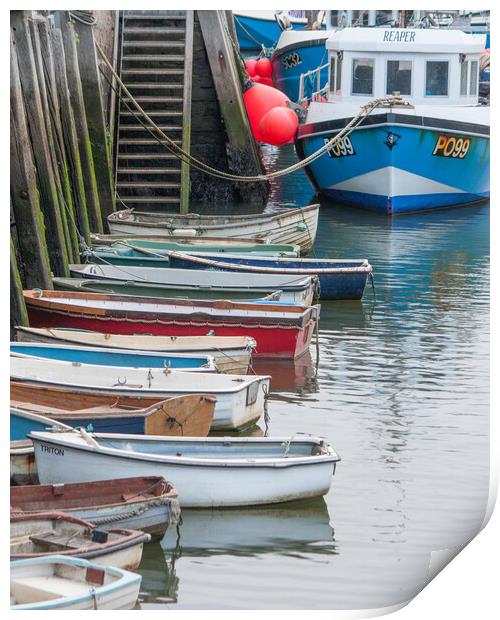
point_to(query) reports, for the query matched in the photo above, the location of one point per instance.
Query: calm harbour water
(401, 393)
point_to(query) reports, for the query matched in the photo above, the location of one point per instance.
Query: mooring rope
(177, 150)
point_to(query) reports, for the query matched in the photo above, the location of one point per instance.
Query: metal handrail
(304, 76)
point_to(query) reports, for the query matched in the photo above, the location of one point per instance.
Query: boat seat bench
(45, 588)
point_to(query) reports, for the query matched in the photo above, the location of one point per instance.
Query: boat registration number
(451, 146)
(341, 148)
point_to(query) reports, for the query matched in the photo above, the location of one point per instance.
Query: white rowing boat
(295, 226)
(240, 398)
(208, 472)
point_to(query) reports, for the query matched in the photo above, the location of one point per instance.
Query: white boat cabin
(437, 67)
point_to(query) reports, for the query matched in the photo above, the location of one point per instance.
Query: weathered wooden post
(70, 137)
(25, 198)
(243, 154)
(186, 111)
(47, 185)
(18, 312)
(92, 97)
(77, 102)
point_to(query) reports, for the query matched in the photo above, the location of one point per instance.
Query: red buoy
(264, 68)
(263, 80)
(250, 66)
(278, 126)
(259, 99)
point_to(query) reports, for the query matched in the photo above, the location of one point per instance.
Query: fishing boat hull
(297, 53)
(147, 504)
(295, 226)
(196, 284)
(398, 162)
(62, 583)
(338, 279)
(255, 29)
(231, 355)
(282, 332)
(202, 482)
(112, 357)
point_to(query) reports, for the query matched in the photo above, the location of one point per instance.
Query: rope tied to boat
(168, 143)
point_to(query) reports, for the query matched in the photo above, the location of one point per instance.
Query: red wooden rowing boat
(280, 330)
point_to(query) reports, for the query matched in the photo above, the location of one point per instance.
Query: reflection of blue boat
(296, 53)
(260, 28)
(339, 279)
(429, 154)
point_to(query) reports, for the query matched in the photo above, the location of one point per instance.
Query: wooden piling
(70, 136)
(23, 51)
(42, 63)
(186, 111)
(25, 198)
(92, 96)
(18, 312)
(78, 105)
(243, 154)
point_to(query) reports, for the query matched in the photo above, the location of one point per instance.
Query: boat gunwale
(363, 269)
(281, 462)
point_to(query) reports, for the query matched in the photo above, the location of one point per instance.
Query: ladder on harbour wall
(156, 67)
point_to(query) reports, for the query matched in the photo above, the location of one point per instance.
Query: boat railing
(310, 88)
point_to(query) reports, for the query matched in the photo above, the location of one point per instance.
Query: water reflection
(298, 376)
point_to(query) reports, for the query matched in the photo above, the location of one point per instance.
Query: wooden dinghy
(240, 399)
(280, 330)
(209, 472)
(23, 468)
(191, 414)
(155, 243)
(338, 279)
(112, 357)
(143, 289)
(232, 354)
(147, 503)
(291, 289)
(295, 226)
(38, 535)
(62, 582)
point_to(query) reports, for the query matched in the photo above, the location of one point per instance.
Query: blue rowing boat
(23, 422)
(112, 357)
(338, 279)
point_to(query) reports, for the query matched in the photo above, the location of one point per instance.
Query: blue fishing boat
(338, 279)
(296, 56)
(255, 29)
(112, 357)
(430, 151)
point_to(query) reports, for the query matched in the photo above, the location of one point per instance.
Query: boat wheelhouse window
(463, 77)
(339, 72)
(332, 74)
(473, 78)
(398, 77)
(362, 76)
(436, 78)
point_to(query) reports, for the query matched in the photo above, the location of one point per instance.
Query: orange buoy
(250, 66)
(259, 99)
(278, 126)
(264, 68)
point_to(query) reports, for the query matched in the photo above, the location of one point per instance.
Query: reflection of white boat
(303, 527)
